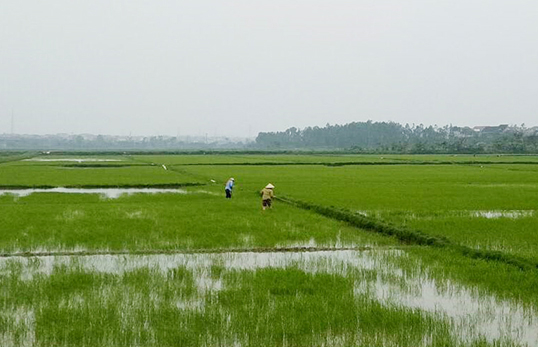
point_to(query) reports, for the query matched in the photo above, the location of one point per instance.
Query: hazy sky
(238, 67)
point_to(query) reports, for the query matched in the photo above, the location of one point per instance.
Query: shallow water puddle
(512, 214)
(72, 160)
(502, 185)
(473, 315)
(488, 214)
(111, 193)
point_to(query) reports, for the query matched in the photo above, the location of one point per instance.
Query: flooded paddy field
(133, 255)
(333, 298)
(76, 160)
(110, 193)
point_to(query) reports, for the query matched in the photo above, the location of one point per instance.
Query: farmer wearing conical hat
(267, 196)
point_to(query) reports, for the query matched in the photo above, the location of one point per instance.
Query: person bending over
(267, 194)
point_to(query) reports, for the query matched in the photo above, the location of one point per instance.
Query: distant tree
(372, 136)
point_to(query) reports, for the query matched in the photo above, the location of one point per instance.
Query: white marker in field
(164, 167)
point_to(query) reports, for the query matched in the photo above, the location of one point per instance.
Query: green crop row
(302, 159)
(407, 235)
(451, 202)
(54, 176)
(392, 188)
(7, 157)
(200, 219)
(511, 232)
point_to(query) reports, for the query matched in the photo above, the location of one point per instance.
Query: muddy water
(472, 314)
(110, 193)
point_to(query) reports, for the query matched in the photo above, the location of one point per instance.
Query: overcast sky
(235, 68)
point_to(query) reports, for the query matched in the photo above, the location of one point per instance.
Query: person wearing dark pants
(267, 194)
(228, 188)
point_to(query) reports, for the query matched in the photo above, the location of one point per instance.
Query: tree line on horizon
(392, 137)
(356, 137)
(60, 142)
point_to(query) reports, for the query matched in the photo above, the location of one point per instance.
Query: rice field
(144, 250)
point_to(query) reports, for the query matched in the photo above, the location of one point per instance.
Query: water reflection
(111, 193)
(512, 214)
(72, 160)
(374, 272)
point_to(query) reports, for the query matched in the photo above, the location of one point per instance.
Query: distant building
(462, 132)
(488, 129)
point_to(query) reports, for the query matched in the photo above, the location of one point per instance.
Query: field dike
(77, 160)
(409, 236)
(364, 163)
(27, 254)
(473, 162)
(101, 166)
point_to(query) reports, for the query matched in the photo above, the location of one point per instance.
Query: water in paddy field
(110, 193)
(472, 314)
(487, 214)
(92, 160)
(511, 214)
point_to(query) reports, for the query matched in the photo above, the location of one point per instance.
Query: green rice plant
(512, 232)
(197, 220)
(14, 156)
(413, 236)
(198, 301)
(71, 300)
(255, 159)
(440, 201)
(488, 278)
(61, 160)
(17, 176)
(290, 307)
(329, 159)
(361, 221)
(412, 188)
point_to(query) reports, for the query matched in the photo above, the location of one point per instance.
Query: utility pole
(12, 122)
